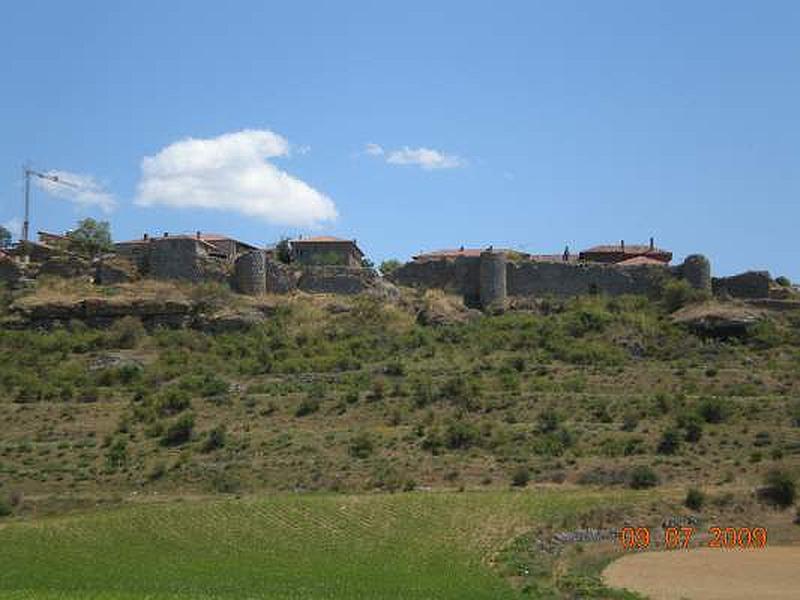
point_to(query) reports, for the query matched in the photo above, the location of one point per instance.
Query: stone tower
(493, 289)
(250, 273)
(696, 270)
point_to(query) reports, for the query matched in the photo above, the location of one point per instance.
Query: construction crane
(28, 173)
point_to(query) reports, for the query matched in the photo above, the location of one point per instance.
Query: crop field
(409, 545)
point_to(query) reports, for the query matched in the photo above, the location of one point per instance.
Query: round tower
(250, 274)
(493, 289)
(696, 270)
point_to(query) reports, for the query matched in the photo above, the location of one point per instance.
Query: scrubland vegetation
(348, 396)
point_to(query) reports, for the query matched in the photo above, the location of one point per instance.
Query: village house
(623, 254)
(326, 250)
(210, 244)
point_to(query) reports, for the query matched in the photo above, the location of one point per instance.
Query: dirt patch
(710, 573)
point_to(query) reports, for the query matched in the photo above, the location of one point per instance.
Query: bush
(460, 435)
(692, 426)
(307, 406)
(117, 455)
(779, 488)
(783, 281)
(677, 293)
(695, 499)
(642, 477)
(172, 401)
(179, 431)
(361, 446)
(127, 332)
(548, 421)
(521, 476)
(215, 439)
(5, 507)
(670, 442)
(390, 265)
(714, 410)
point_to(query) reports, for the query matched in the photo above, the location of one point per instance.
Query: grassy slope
(412, 545)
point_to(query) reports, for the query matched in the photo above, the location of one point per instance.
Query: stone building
(626, 252)
(326, 250)
(213, 244)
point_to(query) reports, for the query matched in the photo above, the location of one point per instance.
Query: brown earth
(771, 573)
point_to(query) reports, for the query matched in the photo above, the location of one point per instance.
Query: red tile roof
(322, 238)
(628, 249)
(449, 253)
(203, 237)
(640, 260)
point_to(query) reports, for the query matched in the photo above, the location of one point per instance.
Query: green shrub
(171, 401)
(5, 507)
(460, 434)
(361, 445)
(521, 476)
(548, 421)
(642, 477)
(677, 293)
(714, 410)
(215, 439)
(127, 332)
(117, 455)
(783, 281)
(695, 499)
(670, 442)
(780, 488)
(307, 406)
(179, 431)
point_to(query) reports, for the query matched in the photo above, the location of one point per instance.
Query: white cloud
(231, 173)
(426, 158)
(82, 190)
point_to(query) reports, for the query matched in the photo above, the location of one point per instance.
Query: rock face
(751, 284)
(719, 321)
(112, 269)
(10, 272)
(102, 312)
(66, 265)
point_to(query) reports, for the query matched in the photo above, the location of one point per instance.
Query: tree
(367, 263)
(283, 251)
(388, 266)
(91, 237)
(5, 237)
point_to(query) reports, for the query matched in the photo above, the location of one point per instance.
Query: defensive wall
(488, 279)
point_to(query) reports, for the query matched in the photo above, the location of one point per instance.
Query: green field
(411, 545)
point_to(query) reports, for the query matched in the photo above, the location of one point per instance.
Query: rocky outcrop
(10, 272)
(66, 265)
(718, 320)
(112, 269)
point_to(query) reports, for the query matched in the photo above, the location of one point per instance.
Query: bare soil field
(772, 573)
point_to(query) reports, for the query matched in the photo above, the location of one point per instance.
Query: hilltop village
(485, 277)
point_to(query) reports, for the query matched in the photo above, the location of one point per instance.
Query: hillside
(353, 396)
(333, 393)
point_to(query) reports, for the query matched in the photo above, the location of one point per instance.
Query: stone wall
(336, 280)
(183, 259)
(463, 275)
(530, 278)
(751, 284)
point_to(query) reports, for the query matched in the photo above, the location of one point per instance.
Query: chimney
(652, 244)
(199, 235)
(145, 237)
(166, 234)
(622, 245)
(461, 249)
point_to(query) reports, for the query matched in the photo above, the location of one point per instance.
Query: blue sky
(523, 124)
